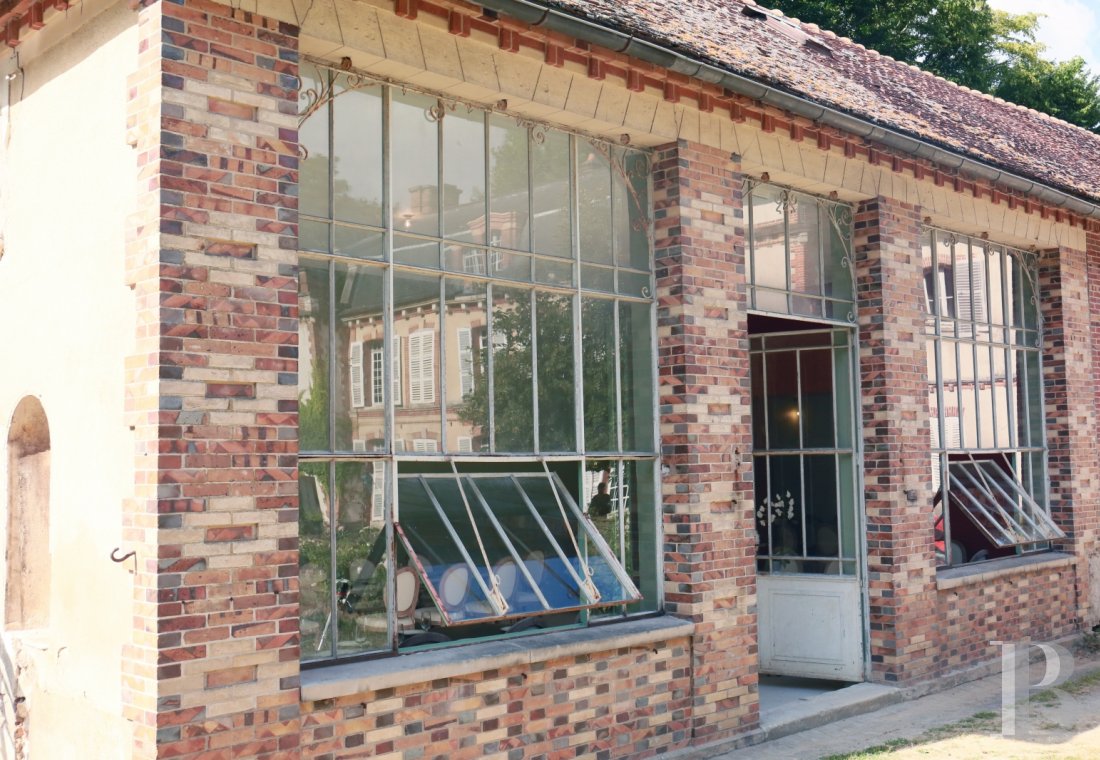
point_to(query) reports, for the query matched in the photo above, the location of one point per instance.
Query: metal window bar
(988, 489)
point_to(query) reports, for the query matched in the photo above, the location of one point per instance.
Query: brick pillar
(896, 438)
(212, 386)
(1070, 394)
(706, 430)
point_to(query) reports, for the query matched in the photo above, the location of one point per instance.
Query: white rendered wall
(66, 324)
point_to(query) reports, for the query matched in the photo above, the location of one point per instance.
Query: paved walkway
(905, 720)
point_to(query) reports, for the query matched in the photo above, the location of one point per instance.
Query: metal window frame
(388, 267)
(955, 334)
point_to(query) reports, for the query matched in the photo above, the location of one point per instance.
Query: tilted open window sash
(998, 505)
(495, 546)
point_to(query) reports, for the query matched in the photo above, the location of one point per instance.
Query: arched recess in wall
(28, 551)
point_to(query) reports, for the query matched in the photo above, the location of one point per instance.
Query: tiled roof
(838, 73)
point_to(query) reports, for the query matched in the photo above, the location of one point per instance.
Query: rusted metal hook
(123, 558)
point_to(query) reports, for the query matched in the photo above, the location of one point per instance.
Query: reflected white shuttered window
(985, 400)
(502, 280)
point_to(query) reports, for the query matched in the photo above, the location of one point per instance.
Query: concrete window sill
(970, 575)
(343, 680)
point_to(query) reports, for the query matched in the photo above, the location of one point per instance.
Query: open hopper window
(493, 546)
(987, 492)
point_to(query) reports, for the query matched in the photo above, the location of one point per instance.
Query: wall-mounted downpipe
(555, 20)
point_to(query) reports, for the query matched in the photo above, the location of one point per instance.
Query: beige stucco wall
(66, 324)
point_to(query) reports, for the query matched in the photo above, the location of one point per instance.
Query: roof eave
(556, 20)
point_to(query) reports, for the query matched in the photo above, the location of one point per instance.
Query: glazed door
(804, 456)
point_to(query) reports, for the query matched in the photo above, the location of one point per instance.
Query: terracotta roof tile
(860, 82)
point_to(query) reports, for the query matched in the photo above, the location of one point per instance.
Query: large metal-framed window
(800, 254)
(985, 400)
(509, 480)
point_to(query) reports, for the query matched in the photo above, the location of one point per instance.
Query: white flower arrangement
(776, 508)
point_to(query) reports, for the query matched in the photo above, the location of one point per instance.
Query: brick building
(522, 378)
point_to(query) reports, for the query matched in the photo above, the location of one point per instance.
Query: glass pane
(848, 505)
(634, 284)
(770, 300)
(782, 398)
(512, 394)
(464, 176)
(968, 401)
(638, 498)
(759, 440)
(360, 557)
(949, 365)
(1037, 434)
(313, 355)
(985, 398)
(594, 200)
(822, 518)
(554, 272)
(845, 417)
(415, 252)
(313, 179)
(630, 208)
(554, 341)
(805, 245)
(837, 277)
(1037, 470)
(362, 244)
(598, 278)
(996, 292)
(357, 153)
(467, 374)
(315, 560)
(436, 529)
(508, 184)
(784, 506)
(415, 160)
(360, 426)
(550, 180)
(635, 372)
(416, 326)
(768, 247)
(313, 236)
(509, 266)
(762, 504)
(598, 347)
(816, 376)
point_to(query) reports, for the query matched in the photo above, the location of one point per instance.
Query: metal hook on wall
(124, 557)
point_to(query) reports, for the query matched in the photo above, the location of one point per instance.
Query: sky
(1071, 27)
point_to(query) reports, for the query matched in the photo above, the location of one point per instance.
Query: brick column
(212, 386)
(706, 430)
(1070, 395)
(896, 438)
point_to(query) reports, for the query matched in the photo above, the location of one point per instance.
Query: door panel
(810, 626)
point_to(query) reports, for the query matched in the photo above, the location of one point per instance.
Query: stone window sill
(969, 575)
(341, 680)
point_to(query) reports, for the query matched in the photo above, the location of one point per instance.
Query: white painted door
(810, 626)
(809, 598)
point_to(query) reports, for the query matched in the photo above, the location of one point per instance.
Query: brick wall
(1036, 605)
(1069, 404)
(630, 702)
(706, 433)
(214, 114)
(896, 439)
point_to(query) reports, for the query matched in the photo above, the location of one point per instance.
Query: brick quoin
(213, 668)
(706, 430)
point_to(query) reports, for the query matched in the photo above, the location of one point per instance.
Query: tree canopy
(969, 43)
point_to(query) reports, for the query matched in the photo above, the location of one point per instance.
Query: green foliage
(969, 43)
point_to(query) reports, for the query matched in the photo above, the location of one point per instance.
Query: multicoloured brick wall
(627, 702)
(214, 116)
(706, 428)
(896, 439)
(1069, 394)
